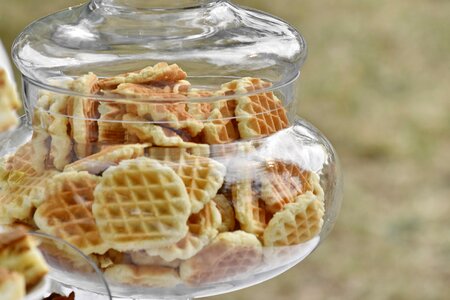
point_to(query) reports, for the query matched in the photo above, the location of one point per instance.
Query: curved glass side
(69, 267)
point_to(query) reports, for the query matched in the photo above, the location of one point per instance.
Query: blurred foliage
(377, 84)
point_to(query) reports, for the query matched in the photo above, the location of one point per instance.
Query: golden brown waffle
(149, 276)
(202, 229)
(159, 73)
(149, 93)
(250, 209)
(12, 285)
(166, 109)
(221, 125)
(282, 183)
(18, 253)
(41, 138)
(230, 254)
(202, 176)
(199, 110)
(110, 129)
(109, 156)
(297, 223)
(83, 112)
(151, 133)
(226, 210)
(67, 211)
(22, 193)
(141, 258)
(61, 144)
(21, 160)
(9, 103)
(258, 114)
(141, 204)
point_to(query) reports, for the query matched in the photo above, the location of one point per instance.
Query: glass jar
(161, 140)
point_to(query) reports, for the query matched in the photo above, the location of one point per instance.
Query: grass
(376, 83)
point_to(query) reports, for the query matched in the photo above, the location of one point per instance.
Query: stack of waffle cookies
(150, 184)
(22, 266)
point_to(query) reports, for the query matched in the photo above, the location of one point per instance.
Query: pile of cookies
(22, 266)
(158, 187)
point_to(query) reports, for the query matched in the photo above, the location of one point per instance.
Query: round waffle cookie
(141, 204)
(281, 183)
(257, 114)
(159, 73)
(110, 129)
(41, 138)
(226, 210)
(83, 112)
(297, 223)
(61, 143)
(107, 157)
(22, 192)
(202, 229)
(160, 107)
(67, 211)
(151, 133)
(230, 254)
(202, 176)
(250, 210)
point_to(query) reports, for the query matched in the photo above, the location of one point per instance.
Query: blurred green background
(377, 83)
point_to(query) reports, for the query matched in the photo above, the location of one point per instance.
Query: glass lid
(206, 38)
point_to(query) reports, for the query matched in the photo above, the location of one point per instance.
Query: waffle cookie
(9, 103)
(21, 160)
(282, 183)
(159, 73)
(21, 193)
(151, 133)
(202, 229)
(40, 140)
(230, 254)
(199, 110)
(67, 211)
(19, 253)
(296, 223)
(257, 114)
(202, 176)
(250, 209)
(110, 129)
(227, 213)
(141, 204)
(151, 93)
(149, 276)
(221, 126)
(83, 112)
(109, 156)
(168, 110)
(61, 144)
(12, 285)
